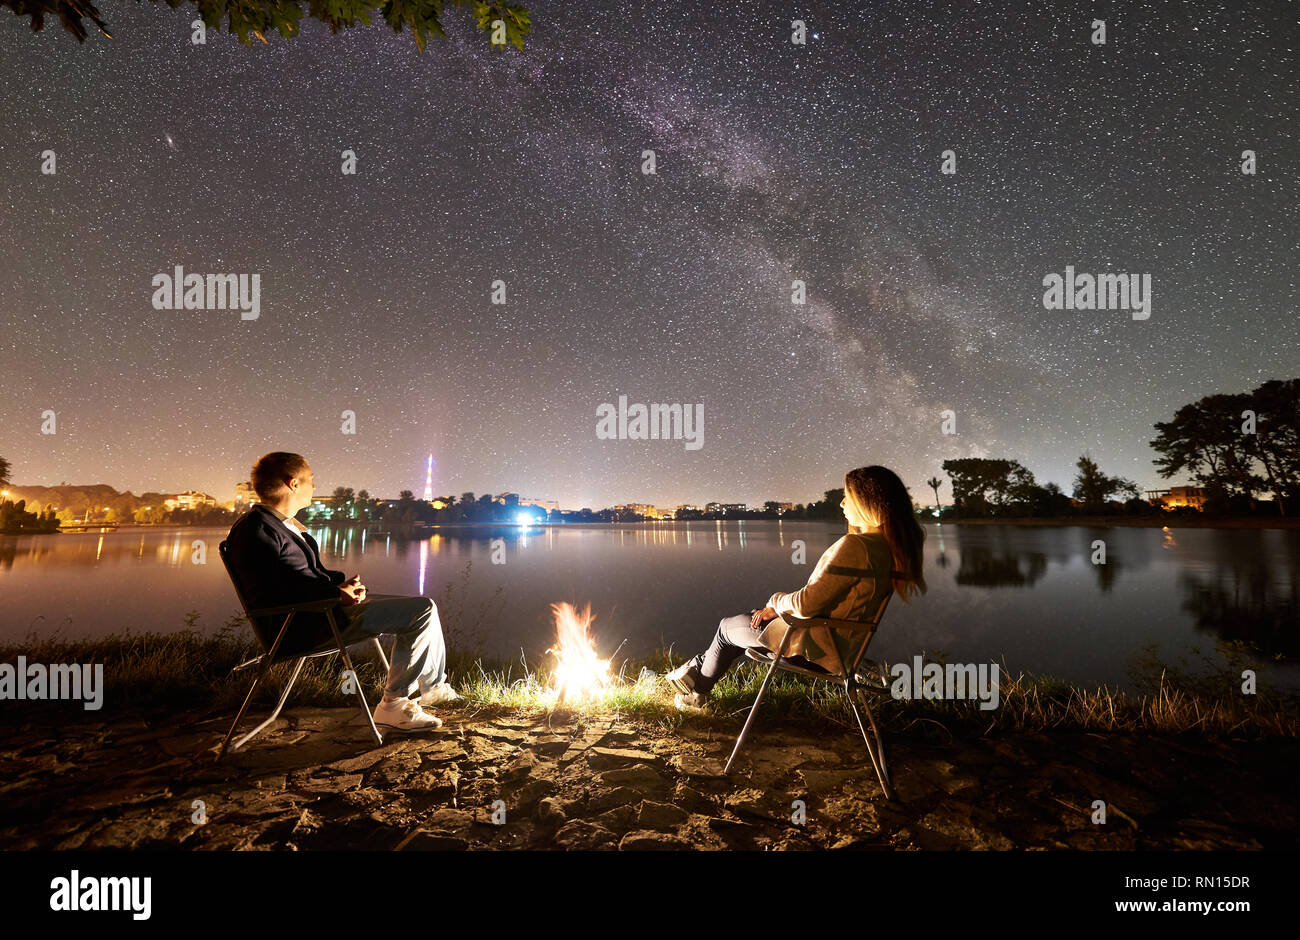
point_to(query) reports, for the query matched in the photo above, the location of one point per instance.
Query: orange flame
(579, 673)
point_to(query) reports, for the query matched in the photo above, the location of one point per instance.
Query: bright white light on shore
(579, 672)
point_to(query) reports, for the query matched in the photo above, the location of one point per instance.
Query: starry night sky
(775, 162)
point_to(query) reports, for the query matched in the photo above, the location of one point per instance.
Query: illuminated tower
(428, 480)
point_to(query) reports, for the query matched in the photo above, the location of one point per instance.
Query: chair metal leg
(288, 687)
(383, 658)
(750, 720)
(882, 770)
(880, 748)
(347, 664)
(266, 669)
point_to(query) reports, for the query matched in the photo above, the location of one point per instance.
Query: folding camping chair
(269, 657)
(844, 643)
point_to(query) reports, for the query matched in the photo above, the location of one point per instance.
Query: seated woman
(881, 553)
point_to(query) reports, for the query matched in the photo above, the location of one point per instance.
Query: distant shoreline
(1173, 522)
(1177, 522)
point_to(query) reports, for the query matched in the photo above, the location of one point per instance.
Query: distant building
(1176, 497)
(190, 499)
(646, 511)
(245, 496)
(550, 505)
(724, 508)
(324, 505)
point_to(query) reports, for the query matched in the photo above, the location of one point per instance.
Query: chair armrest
(847, 626)
(322, 605)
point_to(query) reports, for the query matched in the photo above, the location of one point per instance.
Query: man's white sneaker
(405, 714)
(440, 694)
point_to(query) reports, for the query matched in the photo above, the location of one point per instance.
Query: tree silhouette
(1094, 487)
(256, 18)
(934, 483)
(1276, 443)
(1211, 440)
(983, 486)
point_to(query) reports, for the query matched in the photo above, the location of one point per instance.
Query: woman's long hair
(878, 493)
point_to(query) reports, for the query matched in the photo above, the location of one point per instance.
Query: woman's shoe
(687, 677)
(690, 701)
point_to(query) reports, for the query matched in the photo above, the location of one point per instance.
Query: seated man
(276, 562)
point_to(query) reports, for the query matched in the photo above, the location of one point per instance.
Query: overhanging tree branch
(256, 18)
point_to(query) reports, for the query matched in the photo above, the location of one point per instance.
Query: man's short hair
(272, 472)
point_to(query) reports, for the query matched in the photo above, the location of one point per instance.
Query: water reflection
(1246, 603)
(1029, 594)
(1000, 556)
(982, 566)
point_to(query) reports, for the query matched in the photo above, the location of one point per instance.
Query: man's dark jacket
(273, 568)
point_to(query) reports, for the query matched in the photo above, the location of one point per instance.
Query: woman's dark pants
(734, 636)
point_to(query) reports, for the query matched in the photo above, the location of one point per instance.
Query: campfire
(579, 673)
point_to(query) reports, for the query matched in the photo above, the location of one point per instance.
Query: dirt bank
(316, 782)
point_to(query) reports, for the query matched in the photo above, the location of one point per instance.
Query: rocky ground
(315, 782)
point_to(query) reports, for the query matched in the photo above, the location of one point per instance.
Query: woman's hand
(760, 617)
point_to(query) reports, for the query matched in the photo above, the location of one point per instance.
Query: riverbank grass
(188, 669)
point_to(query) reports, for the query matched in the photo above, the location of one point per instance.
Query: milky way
(775, 162)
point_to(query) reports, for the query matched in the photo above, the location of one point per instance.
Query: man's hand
(353, 591)
(760, 617)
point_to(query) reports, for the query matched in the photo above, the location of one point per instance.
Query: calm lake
(1028, 597)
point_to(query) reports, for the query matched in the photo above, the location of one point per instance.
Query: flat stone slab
(508, 735)
(661, 816)
(693, 765)
(650, 841)
(610, 758)
(638, 777)
(424, 840)
(336, 783)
